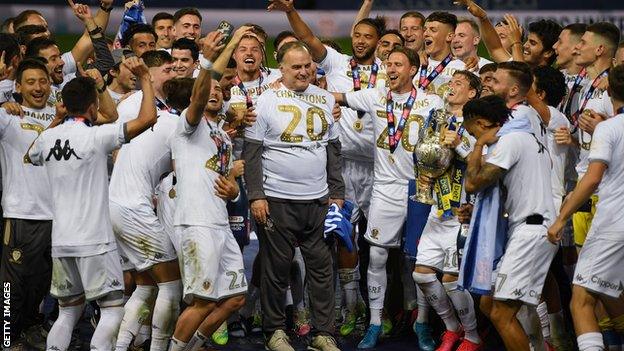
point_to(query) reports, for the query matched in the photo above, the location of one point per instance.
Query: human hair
(78, 94)
(161, 16)
(413, 59)
(552, 82)
(29, 63)
(10, 46)
(608, 31)
(178, 92)
(293, 45)
(471, 22)
(488, 67)
(576, 29)
(548, 32)
(413, 14)
(394, 32)
(38, 44)
(491, 108)
(443, 17)
(520, 72)
(6, 24)
(22, 17)
(473, 81)
(332, 44)
(621, 45)
(186, 44)
(156, 58)
(25, 33)
(378, 23)
(186, 11)
(258, 30)
(135, 29)
(231, 63)
(616, 83)
(281, 36)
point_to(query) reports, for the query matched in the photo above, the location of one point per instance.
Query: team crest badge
(16, 256)
(207, 285)
(172, 193)
(375, 233)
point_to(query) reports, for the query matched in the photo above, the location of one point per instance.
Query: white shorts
(94, 276)
(600, 266)
(165, 208)
(437, 248)
(358, 179)
(387, 215)
(126, 265)
(212, 263)
(141, 236)
(522, 269)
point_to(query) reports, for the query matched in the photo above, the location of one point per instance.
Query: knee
(450, 286)
(501, 314)
(378, 257)
(485, 306)
(423, 275)
(235, 303)
(581, 299)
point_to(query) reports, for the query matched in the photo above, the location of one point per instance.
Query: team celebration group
(412, 188)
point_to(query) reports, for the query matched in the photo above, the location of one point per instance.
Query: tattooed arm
(480, 174)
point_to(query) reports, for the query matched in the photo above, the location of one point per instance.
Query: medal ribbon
(448, 187)
(161, 105)
(241, 86)
(357, 83)
(82, 119)
(567, 105)
(222, 149)
(590, 92)
(394, 135)
(425, 80)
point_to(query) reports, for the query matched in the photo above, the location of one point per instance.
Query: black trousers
(291, 223)
(25, 269)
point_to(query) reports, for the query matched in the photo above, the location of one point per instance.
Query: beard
(366, 55)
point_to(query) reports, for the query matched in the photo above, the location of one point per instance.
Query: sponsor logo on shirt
(62, 153)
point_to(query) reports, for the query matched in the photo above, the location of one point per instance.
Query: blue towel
(338, 222)
(417, 215)
(487, 237)
(133, 14)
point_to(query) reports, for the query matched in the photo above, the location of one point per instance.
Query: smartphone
(226, 29)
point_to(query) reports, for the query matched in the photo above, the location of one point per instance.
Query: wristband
(96, 31)
(106, 9)
(205, 63)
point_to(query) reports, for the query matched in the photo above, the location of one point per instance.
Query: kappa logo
(115, 282)
(518, 293)
(62, 153)
(579, 278)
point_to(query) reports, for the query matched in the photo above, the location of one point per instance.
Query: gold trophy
(431, 158)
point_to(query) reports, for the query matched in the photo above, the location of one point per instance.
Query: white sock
(166, 311)
(437, 298)
(136, 310)
(423, 306)
(107, 328)
(590, 342)
(464, 305)
(375, 318)
(542, 313)
(176, 345)
(377, 280)
(144, 334)
(59, 336)
(196, 342)
(527, 316)
(349, 278)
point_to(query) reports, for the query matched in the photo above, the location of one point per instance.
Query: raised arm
(107, 111)
(301, 29)
(221, 62)
(147, 114)
(365, 10)
(515, 32)
(201, 88)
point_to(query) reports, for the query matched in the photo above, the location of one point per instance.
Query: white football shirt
(295, 129)
(74, 156)
(25, 188)
(440, 85)
(528, 112)
(558, 154)
(399, 167)
(7, 86)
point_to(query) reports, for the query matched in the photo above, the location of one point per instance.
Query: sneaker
(279, 342)
(35, 337)
(468, 345)
(370, 338)
(302, 322)
(348, 326)
(386, 325)
(323, 343)
(423, 333)
(236, 329)
(449, 340)
(220, 336)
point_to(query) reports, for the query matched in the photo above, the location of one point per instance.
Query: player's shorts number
(288, 136)
(234, 275)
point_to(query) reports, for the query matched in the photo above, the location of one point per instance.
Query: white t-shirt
(295, 129)
(401, 166)
(570, 79)
(356, 145)
(129, 108)
(7, 86)
(56, 89)
(440, 85)
(538, 127)
(25, 188)
(115, 96)
(558, 154)
(197, 168)
(70, 63)
(527, 181)
(608, 147)
(74, 156)
(482, 62)
(141, 164)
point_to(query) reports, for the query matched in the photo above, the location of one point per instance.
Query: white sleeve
(5, 121)
(35, 153)
(361, 100)
(602, 144)
(264, 107)
(109, 137)
(332, 61)
(506, 152)
(70, 63)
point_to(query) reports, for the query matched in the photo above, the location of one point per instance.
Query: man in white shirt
(26, 198)
(162, 23)
(293, 170)
(49, 50)
(411, 27)
(187, 23)
(185, 53)
(86, 264)
(466, 42)
(12, 57)
(139, 38)
(395, 129)
(119, 79)
(520, 161)
(599, 271)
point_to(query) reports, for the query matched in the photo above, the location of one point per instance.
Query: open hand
(210, 47)
(281, 5)
(226, 188)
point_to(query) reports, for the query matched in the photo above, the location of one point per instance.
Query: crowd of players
(131, 178)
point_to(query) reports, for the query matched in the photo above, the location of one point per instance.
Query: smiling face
(188, 26)
(411, 28)
(125, 78)
(364, 41)
(215, 100)
(386, 44)
(564, 48)
(34, 88)
(142, 42)
(533, 51)
(55, 63)
(296, 69)
(248, 55)
(438, 37)
(486, 83)
(161, 74)
(183, 63)
(459, 90)
(465, 41)
(164, 31)
(400, 72)
(504, 85)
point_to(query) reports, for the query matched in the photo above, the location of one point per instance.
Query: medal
(588, 96)
(357, 125)
(357, 85)
(172, 193)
